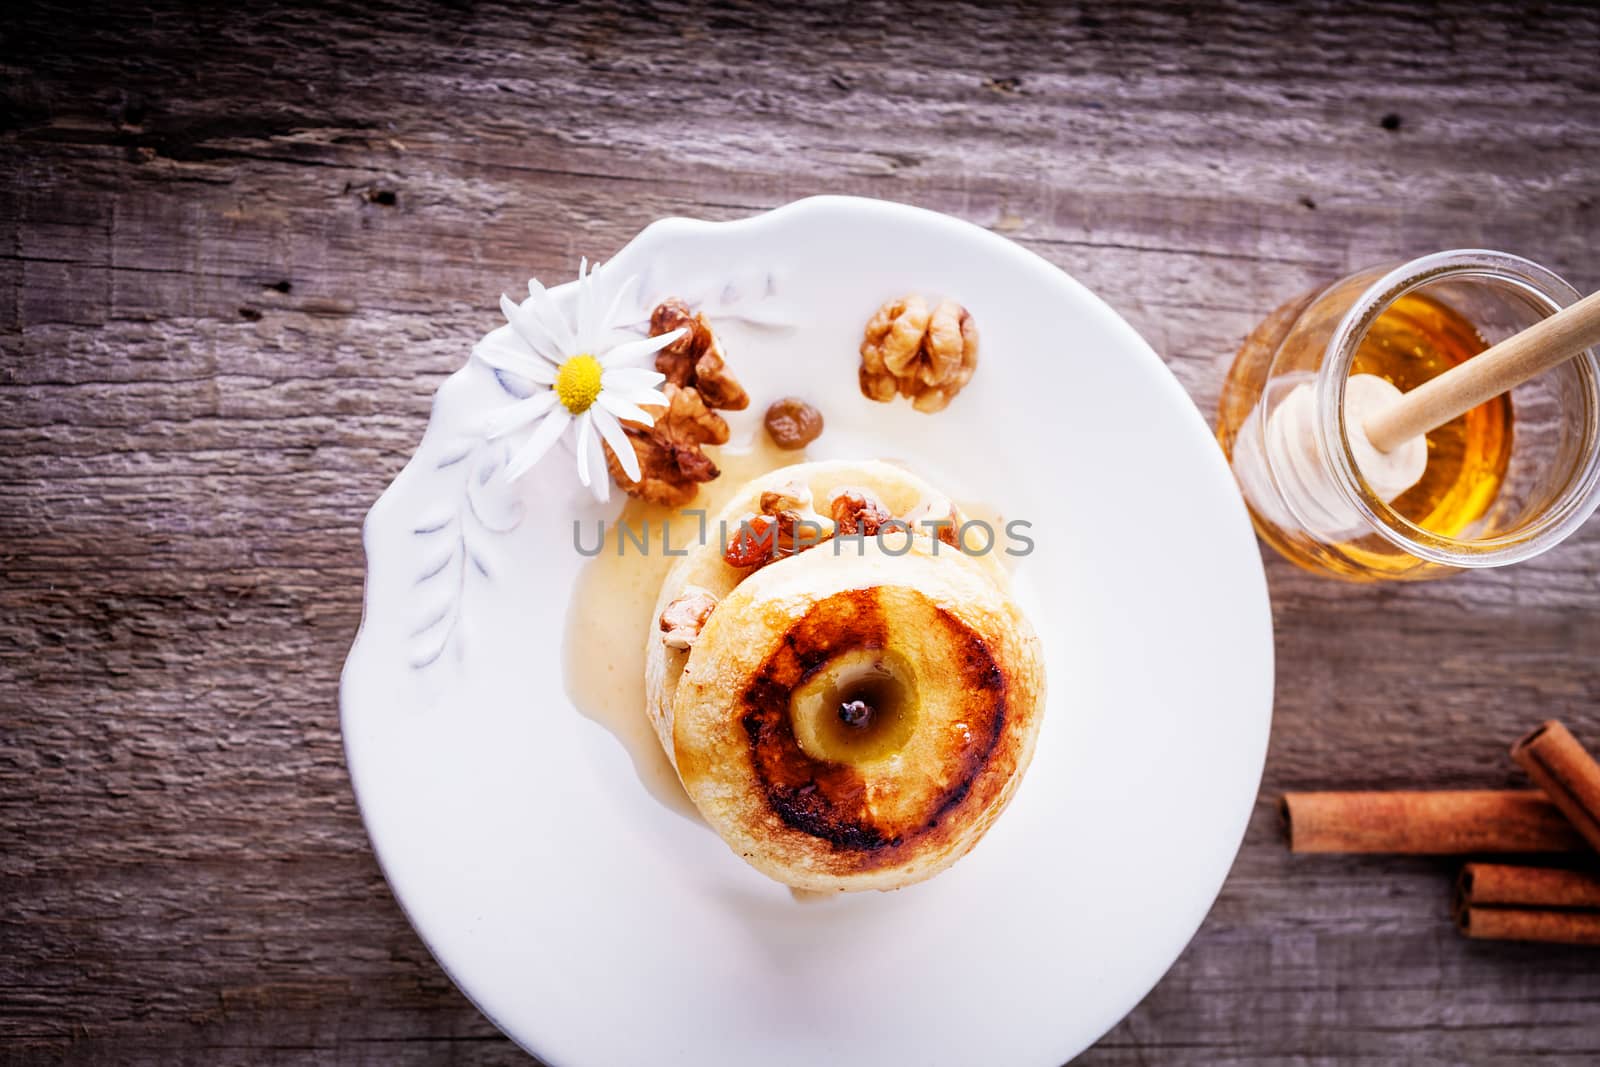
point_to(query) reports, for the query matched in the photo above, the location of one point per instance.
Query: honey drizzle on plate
(613, 602)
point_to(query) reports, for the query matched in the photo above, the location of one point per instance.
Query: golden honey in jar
(1486, 496)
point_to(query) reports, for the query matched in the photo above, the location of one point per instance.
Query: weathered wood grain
(240, 247)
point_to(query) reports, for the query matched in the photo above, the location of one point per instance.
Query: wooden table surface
(239, 250)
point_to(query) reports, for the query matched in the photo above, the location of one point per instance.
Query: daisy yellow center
(578, 383)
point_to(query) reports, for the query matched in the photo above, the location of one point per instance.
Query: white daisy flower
(584, 377)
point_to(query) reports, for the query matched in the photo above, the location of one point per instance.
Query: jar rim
(1577, 500)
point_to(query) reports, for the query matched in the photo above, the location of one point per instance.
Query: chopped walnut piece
(761, 539)
(856, 511)
(798, 523)
(928, 356)
(695, 360)
(753, 542)
(935, 516)
(800, 530)
(682, 620)
(671, 462)
(794, 495)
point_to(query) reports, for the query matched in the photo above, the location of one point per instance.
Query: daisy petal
(586, 324)
(501, 356)
(529, 326)
(550, 315)
(610, 323)
(632, 350)
(602, 484)
(546, 435)
(631, 378)
(585, 433)
(622, 409)
(642, 397)
(515, 416)
(611, 430)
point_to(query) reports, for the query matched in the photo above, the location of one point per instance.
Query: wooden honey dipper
(1546, 344)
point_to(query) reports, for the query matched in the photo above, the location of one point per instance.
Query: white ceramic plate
(597, 925)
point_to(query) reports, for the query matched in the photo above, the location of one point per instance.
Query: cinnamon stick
(1530, 924)
(1566, 772)
(1428, 823)
(1483, 884)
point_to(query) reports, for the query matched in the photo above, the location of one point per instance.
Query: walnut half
(671, 461)
(928, 356)
(696, 360)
